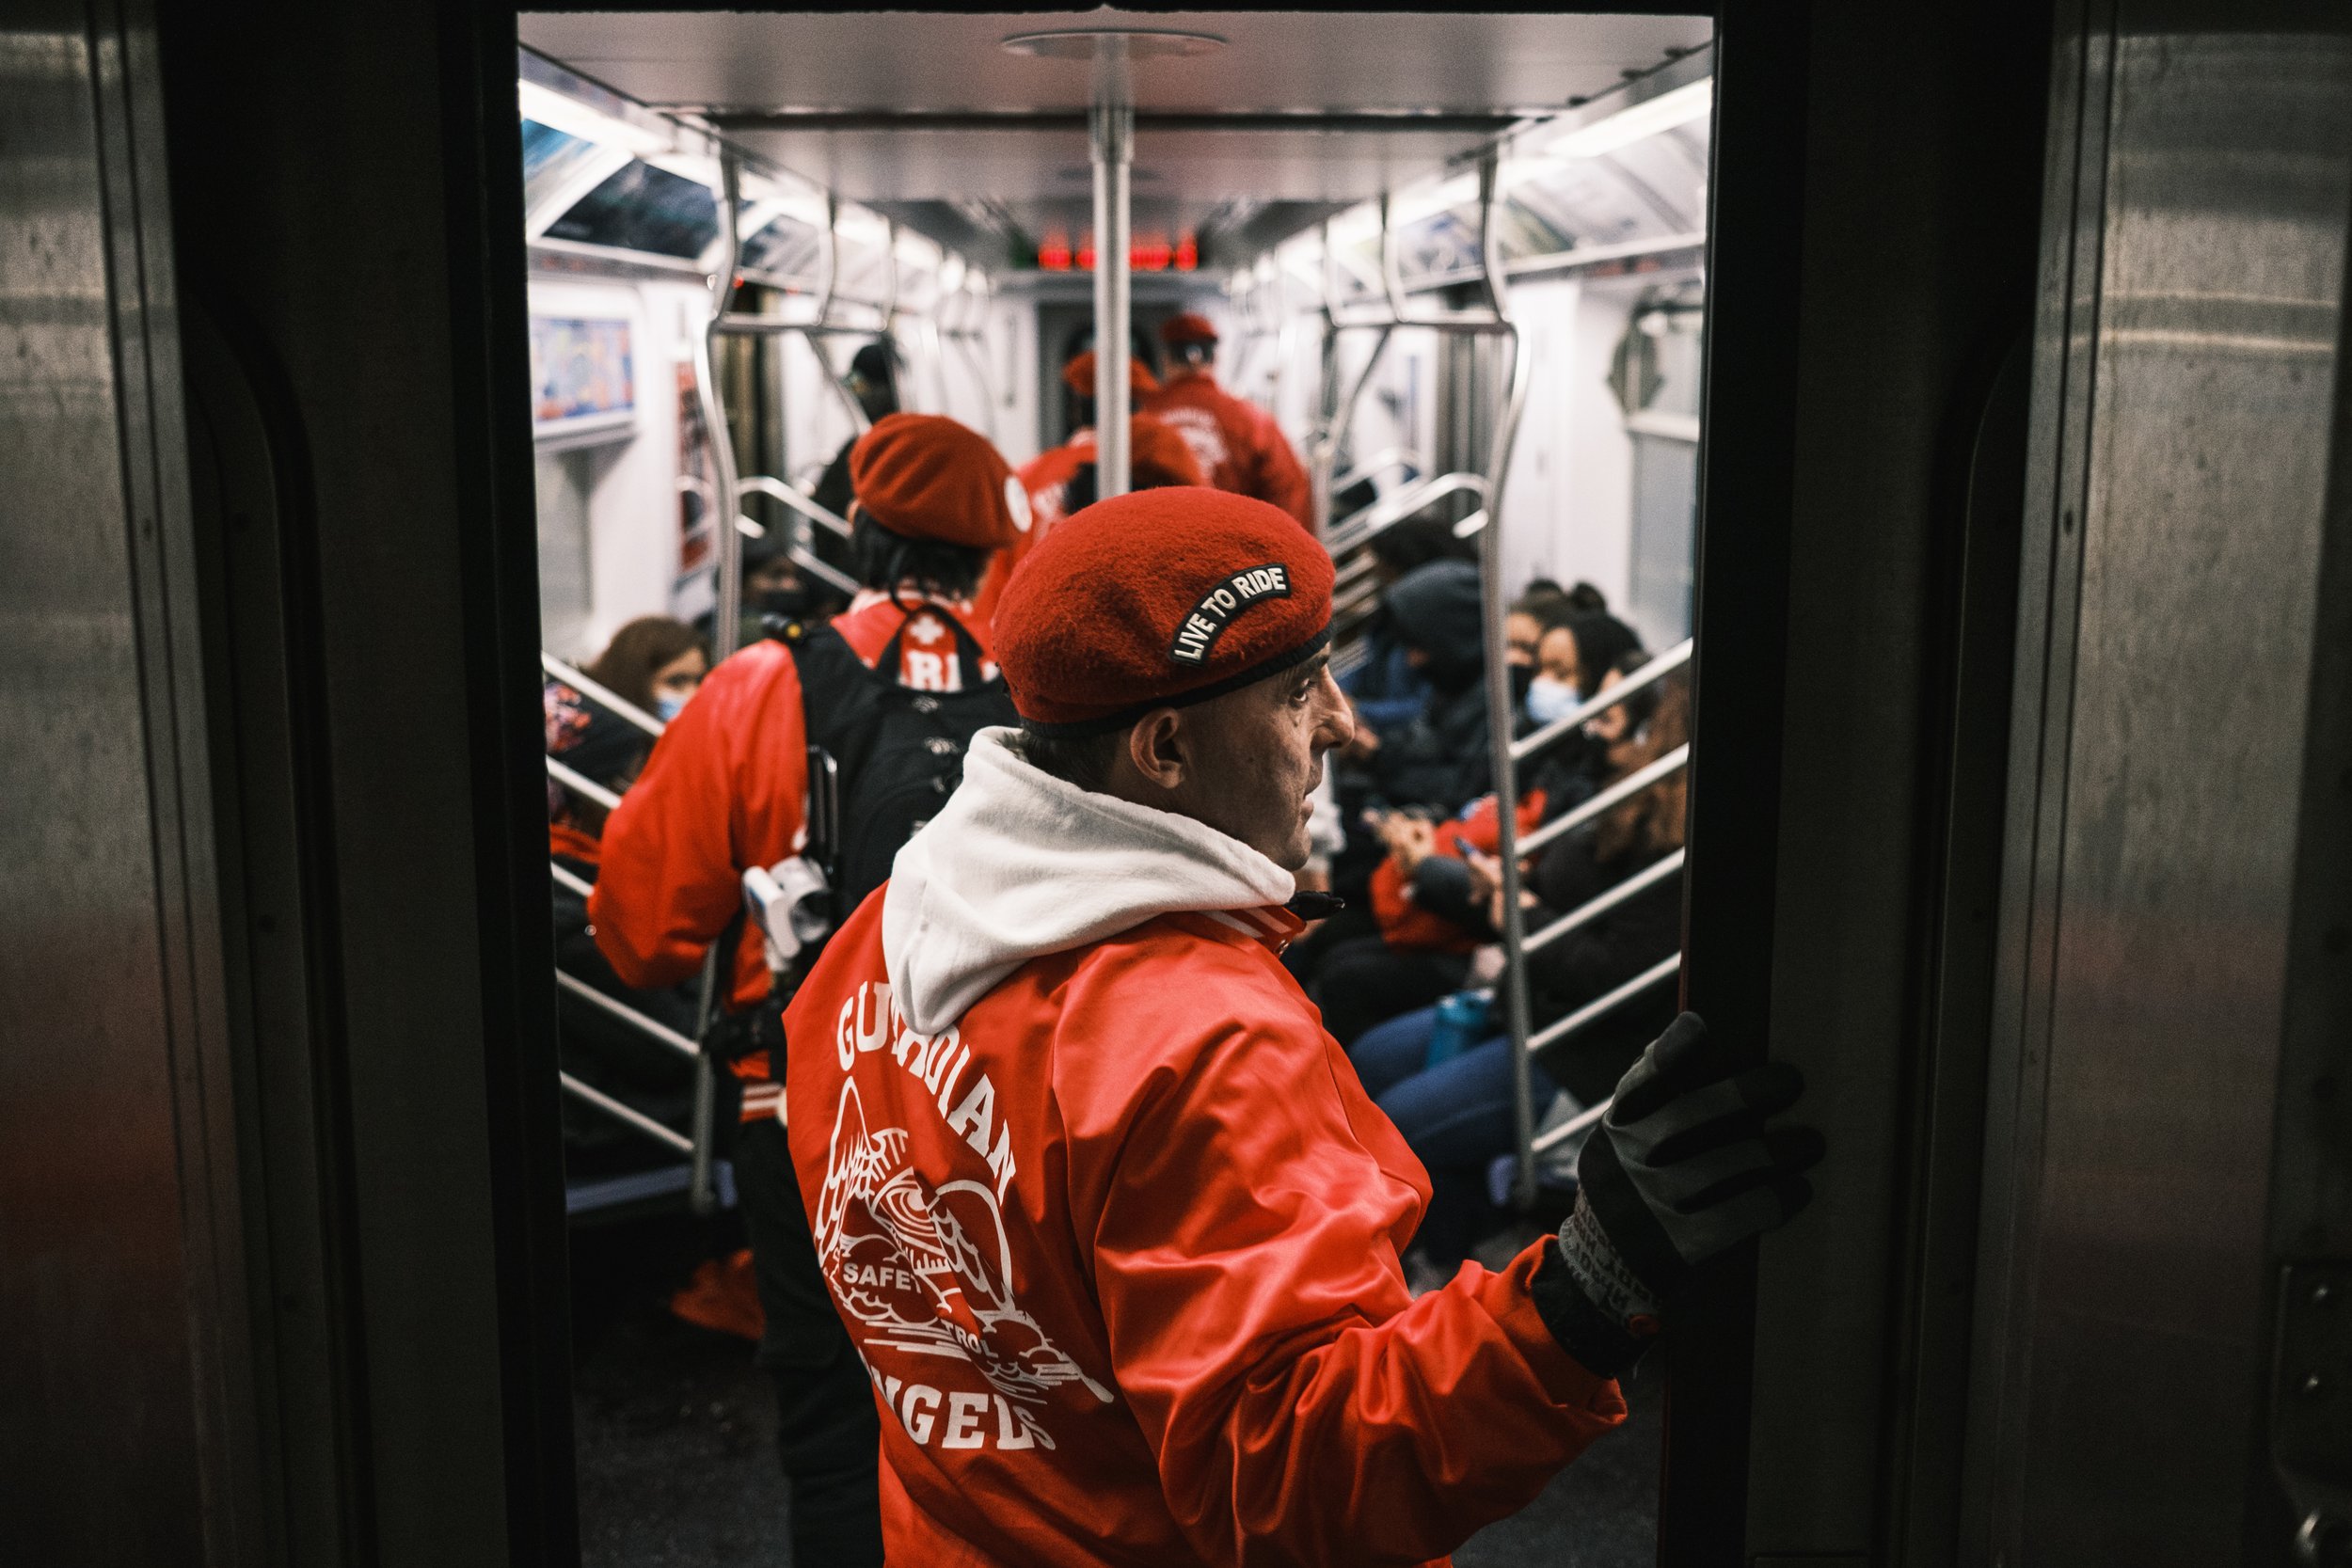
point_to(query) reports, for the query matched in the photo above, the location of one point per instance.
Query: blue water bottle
(1461, 1023)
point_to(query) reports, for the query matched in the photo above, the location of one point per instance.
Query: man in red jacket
(1110, 1220)
(724, 791)
(1237, 444)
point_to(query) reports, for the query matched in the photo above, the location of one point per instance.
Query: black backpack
(897, 754)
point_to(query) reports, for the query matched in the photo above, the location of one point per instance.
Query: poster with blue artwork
(581, 377)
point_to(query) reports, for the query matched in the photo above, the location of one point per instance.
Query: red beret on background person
(1064, 1025)
(1238, 445)
(1078, 376)
(726, 791)
(1063, 480)
(924, 476)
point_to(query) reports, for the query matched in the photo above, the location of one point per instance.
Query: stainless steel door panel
(2165, 656)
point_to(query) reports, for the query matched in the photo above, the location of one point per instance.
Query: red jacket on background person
(1156, 456)
(1114, 1228)
(726, 789)
(1237, 444)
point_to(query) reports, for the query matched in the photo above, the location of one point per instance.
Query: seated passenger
(1112, 1224)
(653, 662)
(1457, 1114)
(595, 1047)
(1387, 690)
(1421, 895)
(1438, 760)
(893, 690)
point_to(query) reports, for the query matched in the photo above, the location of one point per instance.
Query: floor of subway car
(677, 1440)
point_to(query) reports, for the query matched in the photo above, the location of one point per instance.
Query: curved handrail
(621, 1112)
(573, 779)
(1624, 789)
(1584, 915)
(1360, 528)
(1559, 729)
(1379, 462)
(653, 1029)
(601, 695)
(776, 489)
(1665, 969)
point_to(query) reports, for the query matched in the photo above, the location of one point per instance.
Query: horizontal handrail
(776, 489)
(603, 696)
(1379, 462)
(1665, 969)
(1656, 670)
(573, 779)
(1584, 915)
(619, 1112)
(739, 324)
(1575, 1124)
(651, 1028)
(1359, 527)
(1624, 789)
(808, 561)
(581, 885)
(1472, 526)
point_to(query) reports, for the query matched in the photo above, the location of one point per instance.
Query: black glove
(1681, 1170)
(733, 1036)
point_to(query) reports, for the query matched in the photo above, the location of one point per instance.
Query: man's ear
(1156, 748)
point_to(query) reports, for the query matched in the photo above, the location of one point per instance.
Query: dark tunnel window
(643, 208)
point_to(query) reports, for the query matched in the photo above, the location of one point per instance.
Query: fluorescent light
(574, 118)
(1414, 206)
(1636, 121)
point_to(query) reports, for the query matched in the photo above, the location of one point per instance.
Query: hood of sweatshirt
(1437, 609)
(1021, 864)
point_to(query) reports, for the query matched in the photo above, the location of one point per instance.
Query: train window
(642, 208)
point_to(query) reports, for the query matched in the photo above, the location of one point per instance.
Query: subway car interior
(1840, 521)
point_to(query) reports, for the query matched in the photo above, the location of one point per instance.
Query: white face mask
(668, 703)
(1549, 699)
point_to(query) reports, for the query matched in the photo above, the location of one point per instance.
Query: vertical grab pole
(1113, 123)
(1493, 596)
(1320, 447)
(725, 624)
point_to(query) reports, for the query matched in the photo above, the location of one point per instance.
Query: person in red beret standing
(727, 791)
(1062, 481)
(1112, 1223)
(1238, 445)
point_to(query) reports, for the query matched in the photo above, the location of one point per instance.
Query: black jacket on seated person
(1441, 759)
(1598, 958)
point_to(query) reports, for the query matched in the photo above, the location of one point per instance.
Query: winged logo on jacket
(929, 1268)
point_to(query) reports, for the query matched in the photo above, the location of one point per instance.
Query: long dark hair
(638, 650)
(1650, 824)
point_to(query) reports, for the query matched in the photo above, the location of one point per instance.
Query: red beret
(1156, 455)
(1078, 376)
(1187, 328)
(1159, 598)
(926, 477)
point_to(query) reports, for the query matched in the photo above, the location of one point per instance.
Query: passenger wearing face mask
(654, 663)
(1457, 1112)
(1422, 899)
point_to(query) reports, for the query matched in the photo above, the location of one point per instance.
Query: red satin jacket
(726, 789)
(1119, 1249)
(1237, 444)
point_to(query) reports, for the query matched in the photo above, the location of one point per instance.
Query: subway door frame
(371, 622)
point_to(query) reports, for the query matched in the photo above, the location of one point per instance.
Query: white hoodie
(1022, 863)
